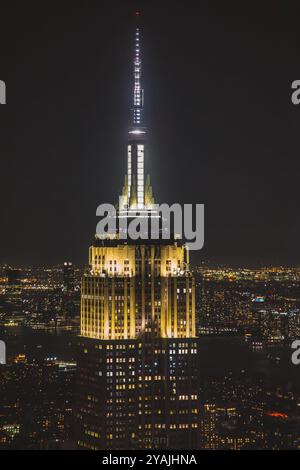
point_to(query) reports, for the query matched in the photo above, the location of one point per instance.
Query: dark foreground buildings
(137, 359)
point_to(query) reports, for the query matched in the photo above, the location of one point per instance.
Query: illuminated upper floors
(126, 308)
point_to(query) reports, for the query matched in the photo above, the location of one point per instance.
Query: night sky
(222, 128)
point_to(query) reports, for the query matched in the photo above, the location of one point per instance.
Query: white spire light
(138, 92)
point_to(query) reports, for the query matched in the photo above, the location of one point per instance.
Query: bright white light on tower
(137, 132)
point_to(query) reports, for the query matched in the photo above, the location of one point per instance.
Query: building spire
(138, 93)
(137, 191)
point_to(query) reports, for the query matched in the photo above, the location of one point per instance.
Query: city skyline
(232, 121)
(114, 338)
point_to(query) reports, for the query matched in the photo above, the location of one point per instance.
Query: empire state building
(137, 383)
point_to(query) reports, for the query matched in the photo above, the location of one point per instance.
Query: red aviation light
(276, 414)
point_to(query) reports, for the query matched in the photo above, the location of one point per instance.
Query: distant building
(70, 307)
(68, 277)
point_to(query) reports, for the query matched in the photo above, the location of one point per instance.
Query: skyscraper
(137, 356)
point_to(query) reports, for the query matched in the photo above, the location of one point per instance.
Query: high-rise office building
(137, 358)
(69, 297)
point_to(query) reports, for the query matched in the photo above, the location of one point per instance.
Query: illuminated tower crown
(137, 191)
